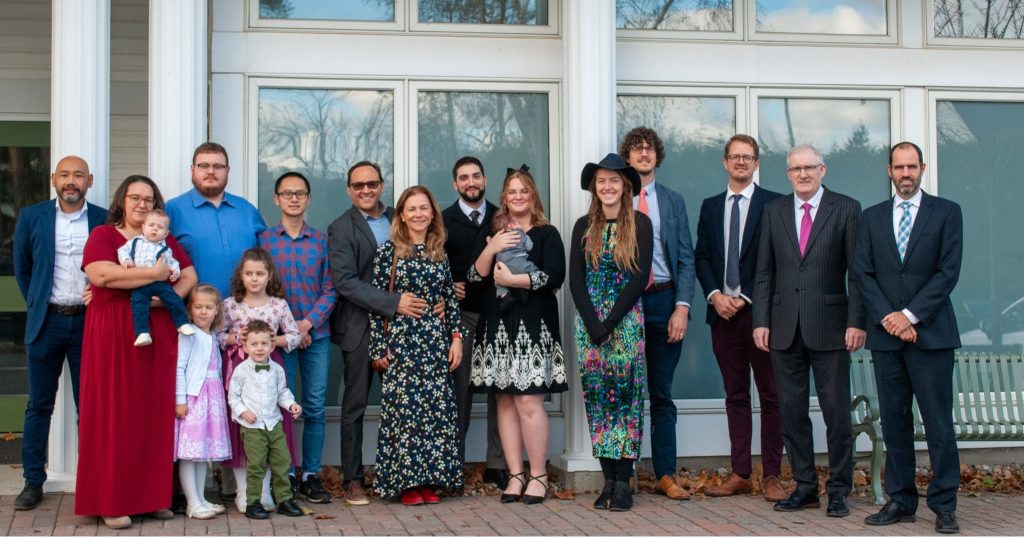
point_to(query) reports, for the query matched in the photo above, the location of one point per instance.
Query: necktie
(474, 216)
(641, 206)
(732, 259)
(805, 228)
(904, 235)
(263, 368)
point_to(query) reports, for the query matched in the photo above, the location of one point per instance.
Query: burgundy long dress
(126, 400)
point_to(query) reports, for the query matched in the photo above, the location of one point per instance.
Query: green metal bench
(988, 387)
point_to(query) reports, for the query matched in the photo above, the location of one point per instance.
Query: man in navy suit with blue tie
(907, 263)
(49, 238)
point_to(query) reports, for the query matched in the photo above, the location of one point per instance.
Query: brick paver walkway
(991, 514)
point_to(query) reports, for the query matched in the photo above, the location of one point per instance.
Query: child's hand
(180, 410)
(295, 409)
(175, 274)
(127, 263)
(249, 417)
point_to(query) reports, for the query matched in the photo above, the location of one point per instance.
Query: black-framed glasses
(741, 158)
(293, 194)
(799, 170)
(137, 199)
(371, 185)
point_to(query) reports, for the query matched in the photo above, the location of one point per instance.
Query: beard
(472, 198)
(209, 191)
(71, 197)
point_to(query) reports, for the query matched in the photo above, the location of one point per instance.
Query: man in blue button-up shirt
(213, 226)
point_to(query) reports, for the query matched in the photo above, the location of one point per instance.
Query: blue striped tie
(904, 235)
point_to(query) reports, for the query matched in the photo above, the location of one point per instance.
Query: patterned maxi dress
(612, 374)
(418, 440)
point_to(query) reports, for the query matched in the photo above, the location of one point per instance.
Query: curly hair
(636, 138)
(274, 287)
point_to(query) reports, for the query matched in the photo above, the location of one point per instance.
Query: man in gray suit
(352, 241)
(804, 317)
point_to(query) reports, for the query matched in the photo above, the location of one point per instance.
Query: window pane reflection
(503, 130)
(525, 12)
(334, 10)
(845, 17)
(694, 131)
(992, 19)
(978, 166)
(687, 15)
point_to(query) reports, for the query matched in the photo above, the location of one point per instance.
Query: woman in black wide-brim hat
(609, 267)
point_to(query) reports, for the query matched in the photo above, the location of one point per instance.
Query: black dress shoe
(798, 502)
(622, 497)
(837, 506)
(256, 511)
(288, 508)
(498, 476)
(29, 498)
(604, 501)
(946, 522)
(890, 514)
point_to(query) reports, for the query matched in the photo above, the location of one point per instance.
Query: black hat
(611, 161)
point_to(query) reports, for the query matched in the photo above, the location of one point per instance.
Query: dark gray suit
(921, 283)
(804, 301)
(352, 247)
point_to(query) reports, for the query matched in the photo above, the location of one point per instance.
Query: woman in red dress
(126, 409)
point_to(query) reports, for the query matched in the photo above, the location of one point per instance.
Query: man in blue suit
(908, 262)
(666, 299)
(728, 237)
(49, 238)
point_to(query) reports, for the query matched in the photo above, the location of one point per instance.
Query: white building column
(589, 119)
(79, 125)
(177, 90)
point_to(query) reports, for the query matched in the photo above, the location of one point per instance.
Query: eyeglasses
(205, 166)
(800, 170)
(371, 185)
(137, 199)
(743, 158)
(640, 149)
(293, 194)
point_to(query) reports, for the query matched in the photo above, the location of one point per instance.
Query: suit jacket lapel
(788, 223)
(923, 214)
(753, 217)
(820, 218)
(718, 229)
(95, 215)
(359, 222)
(48, 230)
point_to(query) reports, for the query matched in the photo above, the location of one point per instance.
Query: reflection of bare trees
(24, 174)
(275, 9)
(992, 19)
(699, 15)
(484, 11)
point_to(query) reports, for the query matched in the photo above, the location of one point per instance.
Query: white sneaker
(186, 330)
(200, 512)
(143, 340)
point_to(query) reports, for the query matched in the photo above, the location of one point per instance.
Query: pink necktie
(641, 206)
(805, 228)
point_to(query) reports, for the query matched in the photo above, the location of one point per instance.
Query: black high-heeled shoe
(604, 501)
(529, 499)
(512, 498)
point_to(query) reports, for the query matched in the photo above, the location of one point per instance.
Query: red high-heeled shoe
(410, 497)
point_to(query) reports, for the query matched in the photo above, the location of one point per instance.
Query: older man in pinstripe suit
(805, 318)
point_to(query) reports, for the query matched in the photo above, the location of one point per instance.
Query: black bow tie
(265, 367)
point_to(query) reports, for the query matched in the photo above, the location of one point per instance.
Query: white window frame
(251, 126)
(305, 25)
(966, 42)
(549, 29)
(890, 38)
(738, 22)
(931, 183)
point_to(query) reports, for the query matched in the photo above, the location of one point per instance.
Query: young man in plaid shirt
(300, 257)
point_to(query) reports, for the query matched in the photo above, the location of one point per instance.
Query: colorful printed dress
(202, 435)
(418, 440)
(609, 339)
(236, 315)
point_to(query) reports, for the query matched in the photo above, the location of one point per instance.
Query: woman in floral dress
(609, 267)
(417, 447)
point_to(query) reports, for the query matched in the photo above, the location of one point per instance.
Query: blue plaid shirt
(301, 265)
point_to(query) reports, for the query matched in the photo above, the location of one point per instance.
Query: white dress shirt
(259, 392)
(897, 214)
(798, 205)
(466, 209)
(71, 232)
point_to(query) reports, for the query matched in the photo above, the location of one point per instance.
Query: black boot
(604, 501)
(622, 497)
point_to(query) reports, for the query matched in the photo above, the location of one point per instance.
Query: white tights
(240, 492)
(192, 475)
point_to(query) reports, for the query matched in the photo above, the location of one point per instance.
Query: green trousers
(266, 448)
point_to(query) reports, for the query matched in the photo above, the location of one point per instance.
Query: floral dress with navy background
(609, 310)
(418, 439)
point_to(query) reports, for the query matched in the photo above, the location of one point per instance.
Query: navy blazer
(710, 251)
(676, 241)
(921, 283)
(34, 238)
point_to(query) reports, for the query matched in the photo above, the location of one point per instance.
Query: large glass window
(977, 165)
(694, 130)
(826, 17)
(852, 134)
(688, 15)
(987, 19)
(347, 10)
(502, 129)
(526, 12)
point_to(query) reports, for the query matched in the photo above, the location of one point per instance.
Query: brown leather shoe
(355, 495)
(772, 489)
(732, 486)
(667, 486)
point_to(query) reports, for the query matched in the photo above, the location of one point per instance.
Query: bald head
(71, 180)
